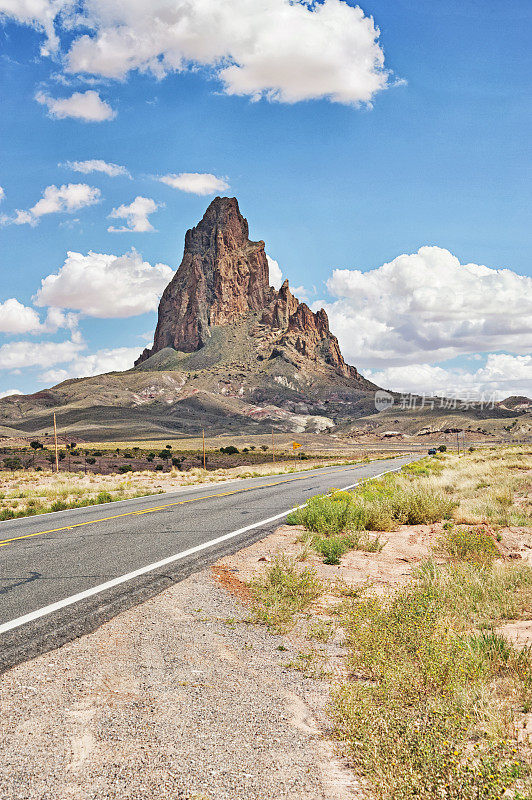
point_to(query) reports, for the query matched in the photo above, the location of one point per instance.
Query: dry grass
(490, 485)
(28, 493)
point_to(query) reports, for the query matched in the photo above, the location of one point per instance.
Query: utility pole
(204, 459)
(457, 443)
(56, 451)
(273, 448)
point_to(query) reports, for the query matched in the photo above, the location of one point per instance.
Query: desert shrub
(329, 514)
(469, 544)
(332, 548)
(103, 497)
(159, 467)
(58, 505)
(90, 460)
(419, 503)
(125, 468)
(230, 450)
(283, 590)
(13, 463)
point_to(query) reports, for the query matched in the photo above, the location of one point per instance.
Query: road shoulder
(178, 696)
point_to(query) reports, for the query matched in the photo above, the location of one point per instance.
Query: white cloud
(19, 355)
(2, 193)
(87, 106)
(97, 165)
(40, 14)
(64, 199)
(17, 318)
(201, 183)
(9, 393)
(285, 50)
(105, 286)
(136, 215)
(427, 307)
(502, 375)
(111, 360)
(276, 275)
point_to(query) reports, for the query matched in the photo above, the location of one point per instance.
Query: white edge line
(102, 587)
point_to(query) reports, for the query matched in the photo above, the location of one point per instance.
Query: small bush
(13, 463)
(90, 460)
(283, 590)
(103, 497)
(332, 548)
(125, 468)
(469, 544)
(58, 505)
(419, 504)
(329, 514)
(230, 450)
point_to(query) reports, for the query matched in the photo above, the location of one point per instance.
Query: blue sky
(421, 162)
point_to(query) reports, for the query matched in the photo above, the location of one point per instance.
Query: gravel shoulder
(178, 697)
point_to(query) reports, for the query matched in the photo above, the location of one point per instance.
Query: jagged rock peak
(223, 279)
(223, 275)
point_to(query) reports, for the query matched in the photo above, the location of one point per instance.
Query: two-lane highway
(63, 574)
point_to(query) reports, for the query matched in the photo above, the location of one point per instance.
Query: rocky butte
(223, 280)
(233, 355)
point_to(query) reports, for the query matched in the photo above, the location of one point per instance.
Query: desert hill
(232, 354)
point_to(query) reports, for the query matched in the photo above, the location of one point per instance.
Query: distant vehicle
(432, 451)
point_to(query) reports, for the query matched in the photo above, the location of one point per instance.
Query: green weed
(284, 590)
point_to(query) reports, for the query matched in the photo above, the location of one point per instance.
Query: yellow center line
(5, 542)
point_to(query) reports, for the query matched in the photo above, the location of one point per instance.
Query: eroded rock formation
(222, 280)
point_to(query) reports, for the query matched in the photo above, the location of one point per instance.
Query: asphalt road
(63, 574)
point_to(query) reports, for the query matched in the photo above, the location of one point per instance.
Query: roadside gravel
(176, 698)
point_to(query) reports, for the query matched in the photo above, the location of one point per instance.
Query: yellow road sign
(295, 445)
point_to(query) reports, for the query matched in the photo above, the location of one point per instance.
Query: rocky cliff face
(222, 280)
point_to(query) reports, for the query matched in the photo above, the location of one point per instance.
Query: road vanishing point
(65, 573)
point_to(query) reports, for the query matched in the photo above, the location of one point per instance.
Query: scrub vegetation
(436, 699)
